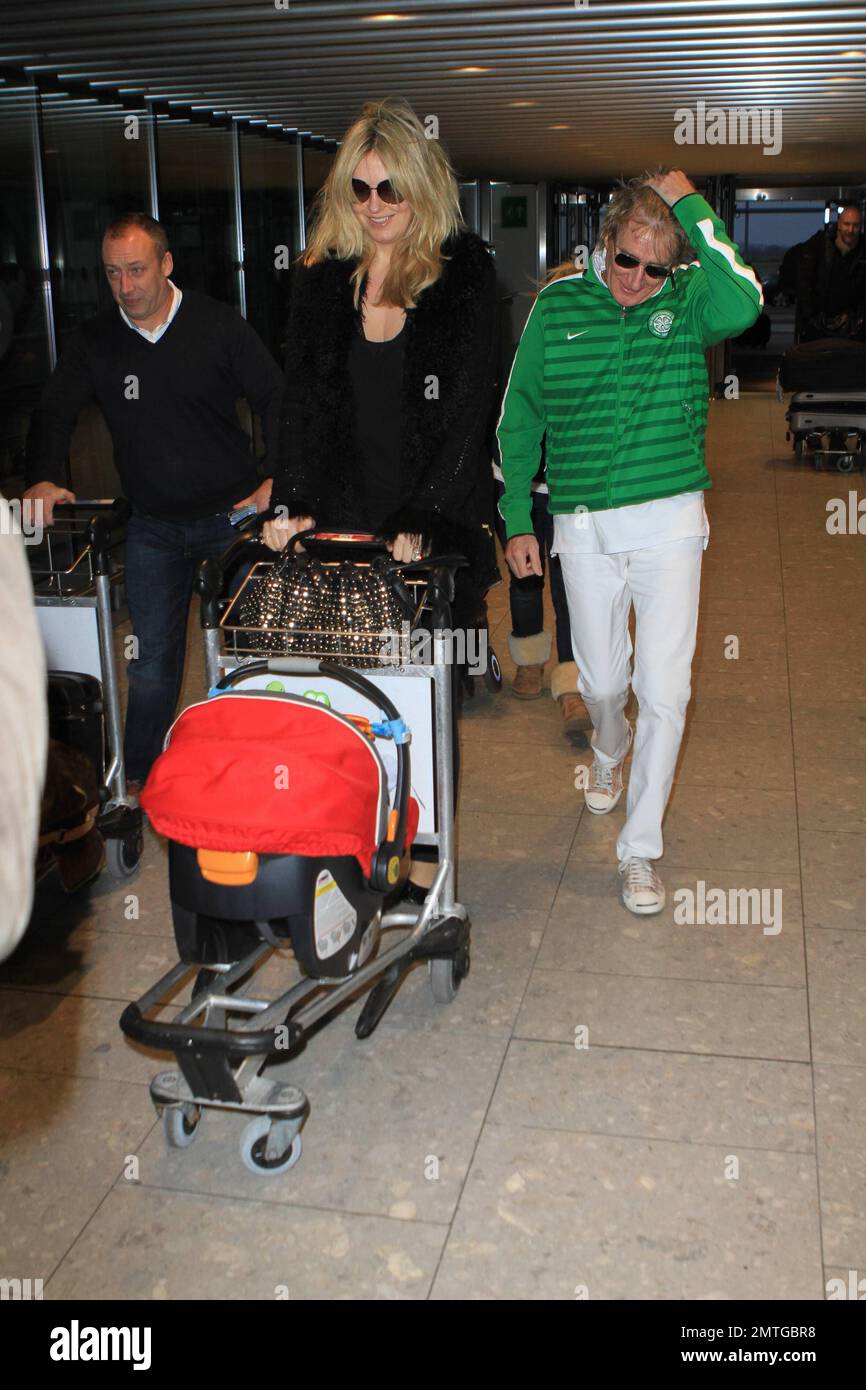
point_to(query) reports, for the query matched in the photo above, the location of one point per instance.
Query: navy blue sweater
(170, 406)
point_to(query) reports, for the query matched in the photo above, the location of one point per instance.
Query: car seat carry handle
(386, 860)
(305, 666)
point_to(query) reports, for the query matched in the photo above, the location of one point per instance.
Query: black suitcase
(827, 364)
(76, 714)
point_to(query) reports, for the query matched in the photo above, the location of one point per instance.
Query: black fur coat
(452, 336)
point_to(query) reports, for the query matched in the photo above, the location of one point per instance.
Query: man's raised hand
(672, 185)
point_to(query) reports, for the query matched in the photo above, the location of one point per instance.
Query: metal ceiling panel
(570, 90)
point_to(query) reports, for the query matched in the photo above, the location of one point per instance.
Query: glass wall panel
(95, 161)
(269, 197)
(470, 205)
(317, 167)
(24, 355)
(514, 237)
(196, 205)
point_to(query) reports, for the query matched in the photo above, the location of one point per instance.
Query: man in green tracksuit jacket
(610, 371)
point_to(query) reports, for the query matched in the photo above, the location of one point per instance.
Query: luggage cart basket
(224, 1038)
(77, 573)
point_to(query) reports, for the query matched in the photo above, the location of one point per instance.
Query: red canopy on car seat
(273, 774)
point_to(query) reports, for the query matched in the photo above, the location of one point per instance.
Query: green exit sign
(513, 212)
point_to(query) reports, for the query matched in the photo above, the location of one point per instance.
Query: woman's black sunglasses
(655, 272)
(386, 191)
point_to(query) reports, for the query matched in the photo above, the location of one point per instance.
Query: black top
(448, 398)
(842, 289)
(830, 283)
(170, 406)
(376, 381)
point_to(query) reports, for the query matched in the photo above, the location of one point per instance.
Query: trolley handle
(107, 516)
(100, 528)
(212, 574)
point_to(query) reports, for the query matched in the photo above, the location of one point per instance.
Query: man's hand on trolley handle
(49, 495)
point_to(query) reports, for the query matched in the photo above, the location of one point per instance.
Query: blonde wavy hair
(420, 170)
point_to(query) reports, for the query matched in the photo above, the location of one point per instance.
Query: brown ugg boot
(529, 655)
(576, 722)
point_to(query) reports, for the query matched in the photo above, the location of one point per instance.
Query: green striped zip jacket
(620, 394)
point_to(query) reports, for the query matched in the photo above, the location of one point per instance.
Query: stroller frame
(222, 1067)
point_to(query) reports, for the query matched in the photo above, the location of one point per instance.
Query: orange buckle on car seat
(232, 869)
(363, 724)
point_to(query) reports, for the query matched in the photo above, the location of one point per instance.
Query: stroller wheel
(446, 974)
(268, 1147)
(181, 1123)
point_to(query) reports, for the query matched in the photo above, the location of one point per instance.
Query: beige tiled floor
(707, 1142)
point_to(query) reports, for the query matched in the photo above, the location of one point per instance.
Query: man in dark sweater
(167, 368)
(831, 281)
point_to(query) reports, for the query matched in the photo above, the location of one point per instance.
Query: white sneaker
(605, 783)
(642, 889)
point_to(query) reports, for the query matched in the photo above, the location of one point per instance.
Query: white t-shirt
(642, 526)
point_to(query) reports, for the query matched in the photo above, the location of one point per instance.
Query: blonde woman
(391, 363)
(391, 357)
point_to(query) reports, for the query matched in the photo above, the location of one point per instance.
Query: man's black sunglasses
(386, 191)
(655, 272)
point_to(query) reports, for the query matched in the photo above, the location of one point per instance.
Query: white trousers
(663, 584)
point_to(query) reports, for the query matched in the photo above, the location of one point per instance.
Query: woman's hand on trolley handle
(276, 534)
(406, 547)
(521, 554)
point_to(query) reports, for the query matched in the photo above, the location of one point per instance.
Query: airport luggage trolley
(225, 1037)
(77, 575)
(829, 427)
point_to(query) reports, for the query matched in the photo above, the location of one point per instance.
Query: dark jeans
(161, 561)
(526, 596)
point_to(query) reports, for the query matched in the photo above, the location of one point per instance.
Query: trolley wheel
(123, 855)
(181, 1123)
(254, 1148)
(446, 974)
(493, 675)
(845, 463)
(799, 447)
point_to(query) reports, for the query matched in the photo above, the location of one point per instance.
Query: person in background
(391, 365)
(611, 372)
(528, 644)
(831, 280)
(167, 367)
